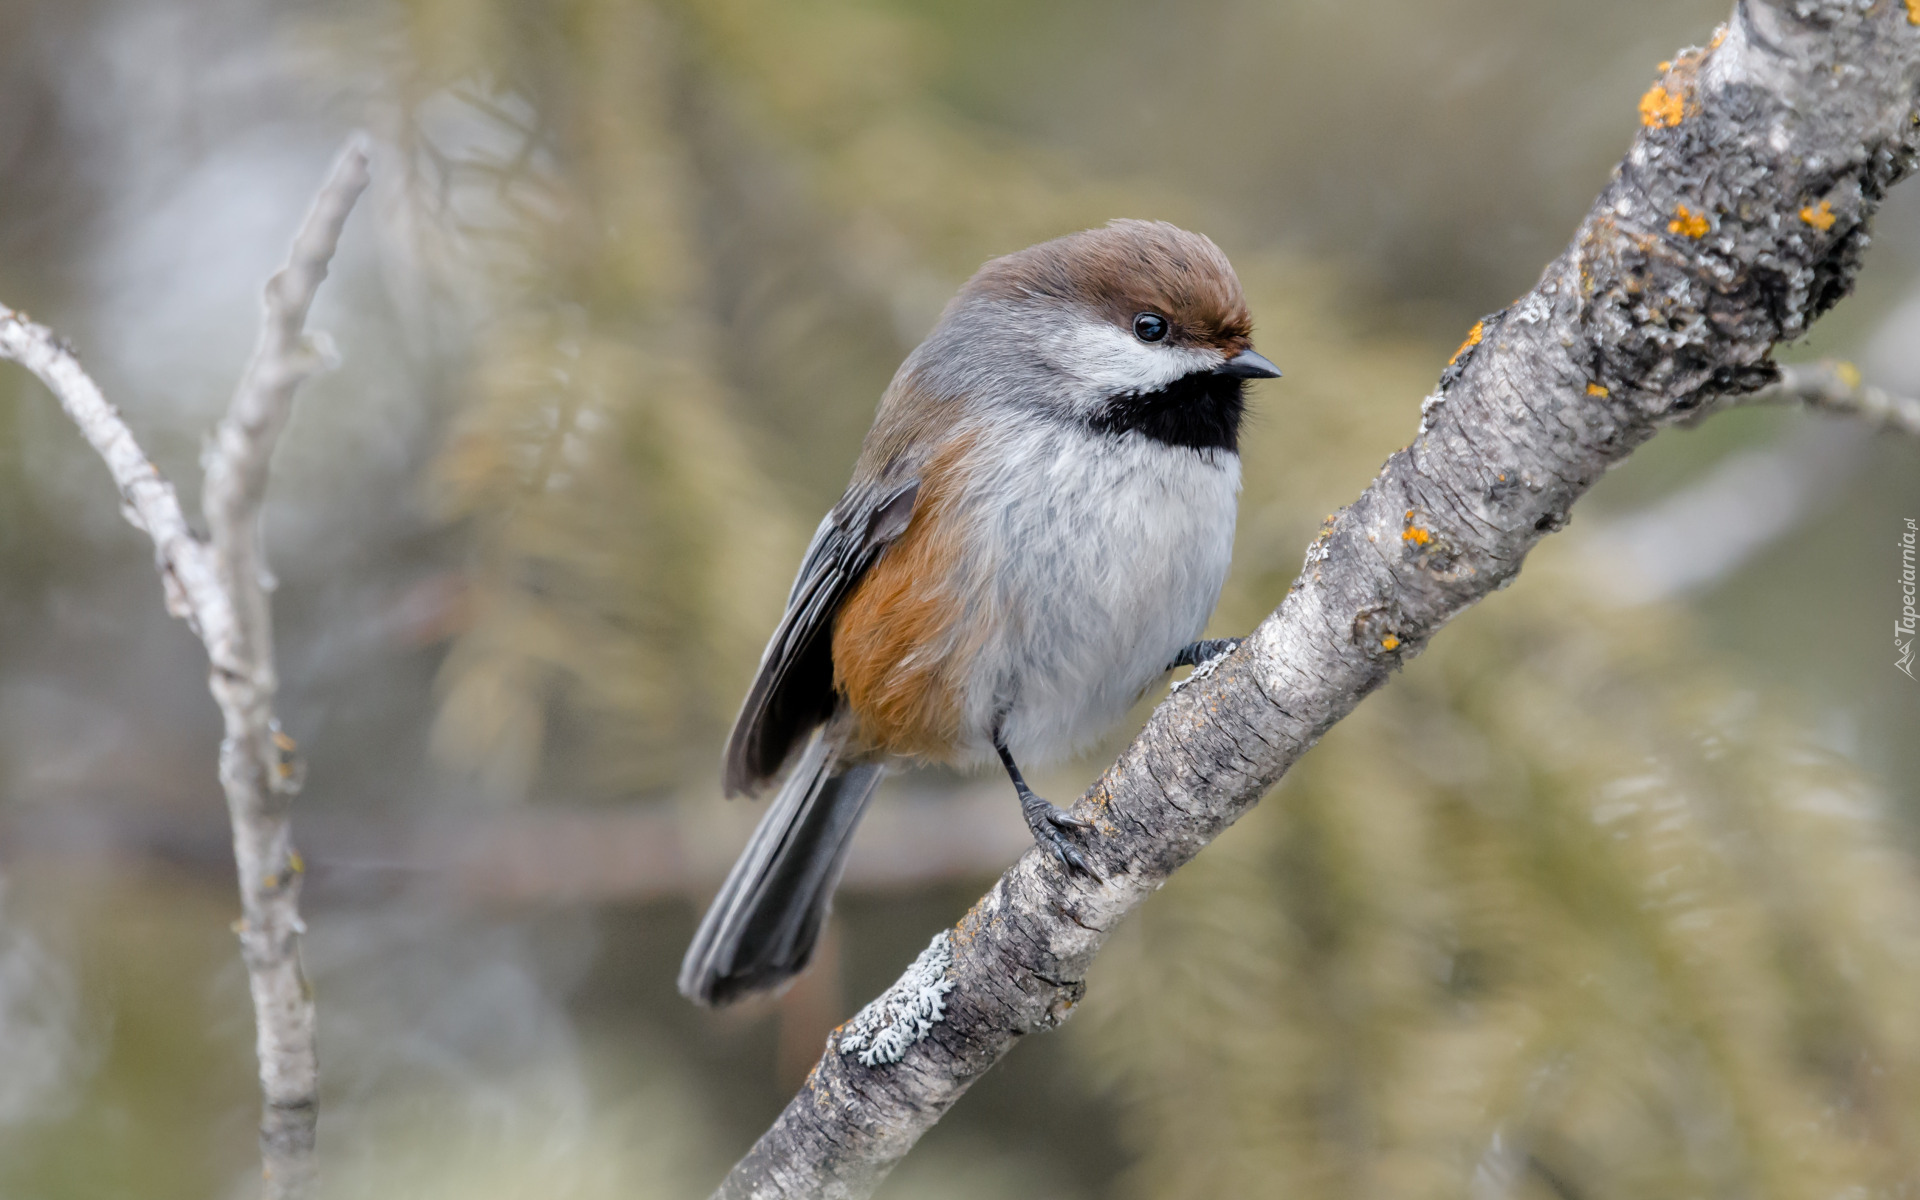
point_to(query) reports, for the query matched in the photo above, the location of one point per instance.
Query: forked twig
(219, 586)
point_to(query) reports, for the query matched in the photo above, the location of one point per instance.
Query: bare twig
(1831, 385)
(1736, 219)
(219, 586)
(1835, 386)
(1709, 529)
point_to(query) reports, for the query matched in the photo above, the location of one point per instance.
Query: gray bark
(1736, 219)
(219, 586)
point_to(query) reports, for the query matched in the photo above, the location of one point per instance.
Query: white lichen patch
(905, 1012)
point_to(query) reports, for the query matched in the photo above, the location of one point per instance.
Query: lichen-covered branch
(219, 586)
(1735, 220)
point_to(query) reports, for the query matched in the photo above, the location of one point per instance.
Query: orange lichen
(1821, 216)
(1913, 12)
(1666, 66)
(1473, 339)
(1720, 34)
(1848, 373)
(1596, 389)
(1417, 536)
(968, 926)
(1660, 108)
(1688, 223)
(1389, 642)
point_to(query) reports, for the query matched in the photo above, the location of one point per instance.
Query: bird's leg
(1202, 652)
(1049, 822)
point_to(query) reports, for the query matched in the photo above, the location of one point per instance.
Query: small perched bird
(1037, 530)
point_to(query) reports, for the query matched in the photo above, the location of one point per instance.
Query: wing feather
(793, 691)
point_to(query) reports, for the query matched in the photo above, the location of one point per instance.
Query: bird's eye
(1149, 327)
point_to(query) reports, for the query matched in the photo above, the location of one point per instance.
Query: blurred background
(1614, 893)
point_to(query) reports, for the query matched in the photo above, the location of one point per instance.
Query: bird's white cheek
(1108, 361)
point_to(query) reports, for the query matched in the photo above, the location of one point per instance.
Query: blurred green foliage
(1565, 912)
(1568, 911)
(157, 1105)
(1579, 907)
(714, 228)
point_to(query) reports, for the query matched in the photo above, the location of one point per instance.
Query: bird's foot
(1054, 829)
(1203, 657)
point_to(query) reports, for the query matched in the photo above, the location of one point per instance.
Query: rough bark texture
(219, 587)
(1736, 219)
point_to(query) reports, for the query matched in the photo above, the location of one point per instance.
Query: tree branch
(1736, 219)
(219, 586)
(1835, 386)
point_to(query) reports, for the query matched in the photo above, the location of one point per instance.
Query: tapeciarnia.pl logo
(1903, 627)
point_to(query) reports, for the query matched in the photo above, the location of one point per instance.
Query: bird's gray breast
(1098, 556)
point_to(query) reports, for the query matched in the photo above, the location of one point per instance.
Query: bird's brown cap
(1130, 267)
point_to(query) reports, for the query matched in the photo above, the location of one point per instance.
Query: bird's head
(1139, 324)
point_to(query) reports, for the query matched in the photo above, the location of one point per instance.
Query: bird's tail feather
(761, 928)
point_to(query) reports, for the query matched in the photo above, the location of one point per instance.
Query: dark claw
(1049, 823)
(1065, 819)
(1073, 860)
(1068, 854)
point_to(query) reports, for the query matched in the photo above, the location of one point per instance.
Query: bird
(1037, 530)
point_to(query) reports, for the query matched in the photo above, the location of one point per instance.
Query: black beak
(1248, 365)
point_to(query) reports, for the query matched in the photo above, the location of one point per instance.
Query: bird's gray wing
(793, 692)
